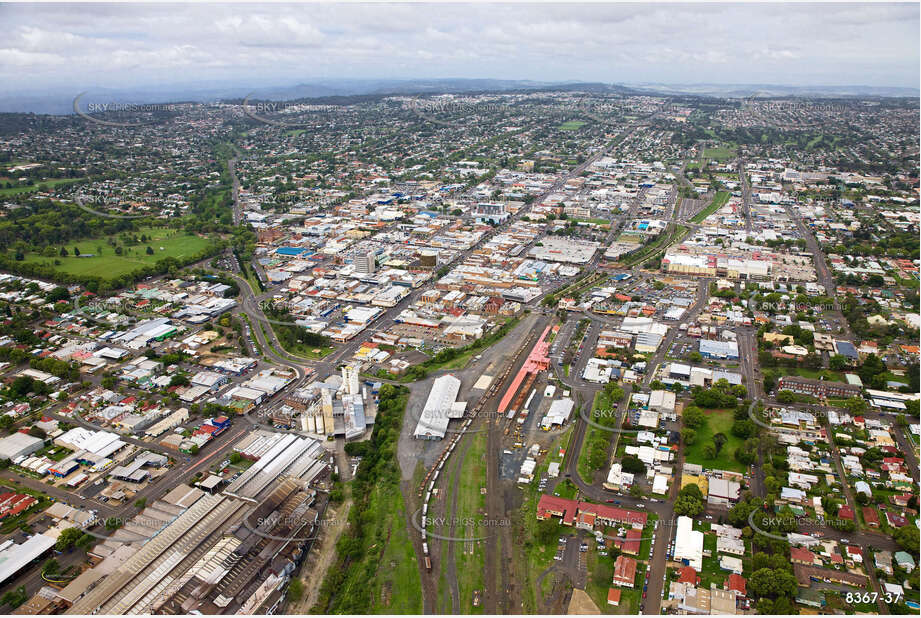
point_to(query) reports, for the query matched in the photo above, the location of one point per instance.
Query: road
(821, 268)
(746, 198)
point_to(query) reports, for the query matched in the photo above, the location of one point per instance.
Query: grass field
(174, 243)
(471, 504)
(43, 185)
(597, 439)
(717, 421)
(814, 374)
(395, 585)
(721, 153)
(719, 200)
(572, 125)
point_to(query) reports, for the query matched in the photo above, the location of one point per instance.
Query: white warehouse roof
(439, 408)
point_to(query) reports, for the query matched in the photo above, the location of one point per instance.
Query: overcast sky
(112, 45)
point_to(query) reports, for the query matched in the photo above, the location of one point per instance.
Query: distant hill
(737, 91)
(56, 102)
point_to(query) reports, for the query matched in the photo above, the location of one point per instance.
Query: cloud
(873, 44)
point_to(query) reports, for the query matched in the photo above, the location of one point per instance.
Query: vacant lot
(164, 242)
(717, 421)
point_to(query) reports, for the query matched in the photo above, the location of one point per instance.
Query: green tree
(772, 583)
(67, 538)
(15, 598)
(907, 538)
(547, 531)
(769, 381)
(632, 464)
(51, 567)
(687, 506)
(85, 542)
(693, 417)
(856, 406)
(744, 429)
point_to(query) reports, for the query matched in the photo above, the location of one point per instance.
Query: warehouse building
(559, 413)
(198, 553)
(14, 557)
(99, 444)
(689, 544)
(18, 445)
(721, 350)
(440, 407)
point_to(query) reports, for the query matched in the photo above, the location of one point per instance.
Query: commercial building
(99, 444)
(714, 262)
(717, 349)
(196, 553)
(555, 249)
(662, 401)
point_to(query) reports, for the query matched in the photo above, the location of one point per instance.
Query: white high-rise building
(365, 263)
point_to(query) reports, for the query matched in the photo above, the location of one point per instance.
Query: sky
(77, 46)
